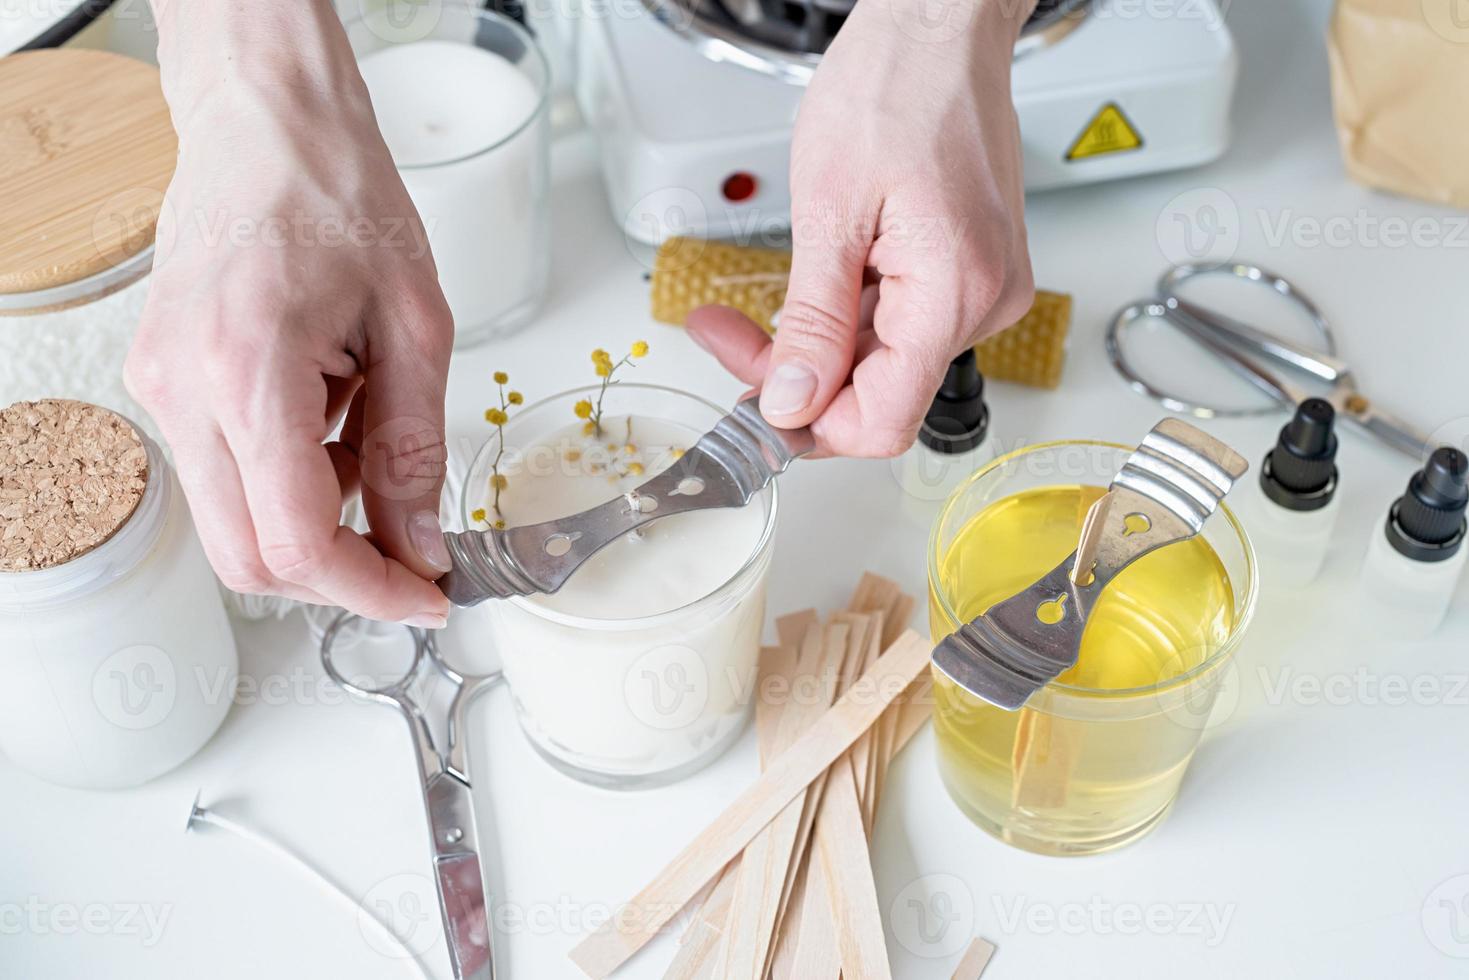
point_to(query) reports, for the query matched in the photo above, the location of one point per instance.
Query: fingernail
(427, 538)
(427, 621)
(697, 337)
(788, 389)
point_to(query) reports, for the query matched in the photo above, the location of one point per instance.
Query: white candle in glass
(467, 130)
(643, 666)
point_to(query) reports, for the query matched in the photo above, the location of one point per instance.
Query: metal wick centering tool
(727, 466)
(1163, 494)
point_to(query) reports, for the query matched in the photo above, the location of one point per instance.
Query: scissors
(446, 793)
(1232, 342)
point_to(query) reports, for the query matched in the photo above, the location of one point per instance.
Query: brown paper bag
(1399, 80)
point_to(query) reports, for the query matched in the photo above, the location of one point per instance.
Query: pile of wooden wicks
(784, 874)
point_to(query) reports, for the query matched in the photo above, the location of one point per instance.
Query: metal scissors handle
(447, 797)
(1232, 342)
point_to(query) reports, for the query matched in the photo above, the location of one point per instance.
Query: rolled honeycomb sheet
(691, 272)
(1032, 351)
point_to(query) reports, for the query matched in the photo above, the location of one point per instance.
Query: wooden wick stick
(819, 955)
(846, 865)
(806, 945)
(1043, 751)
(648, 912)
(976, 958)
(880, 596)
(883, 596)
(850, 667)
(702, 939)
(1091, 539)
(700, 942)
(760, 877)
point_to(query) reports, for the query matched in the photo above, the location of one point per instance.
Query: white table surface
(1324, 829)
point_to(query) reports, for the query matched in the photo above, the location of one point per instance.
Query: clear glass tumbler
(1094, 760)
(461, 96)
(646, 698)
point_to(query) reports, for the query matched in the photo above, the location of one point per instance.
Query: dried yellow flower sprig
(606, 368)
(498, 417)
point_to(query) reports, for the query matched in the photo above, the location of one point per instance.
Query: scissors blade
(1204, 335)
(1318, 364)
(1321, 363)
(459, 877)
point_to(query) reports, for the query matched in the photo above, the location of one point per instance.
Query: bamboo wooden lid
(89, 150)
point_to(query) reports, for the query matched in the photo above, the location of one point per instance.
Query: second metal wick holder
(1164, 493)
(726, 468)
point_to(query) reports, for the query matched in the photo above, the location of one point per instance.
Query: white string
(202, 815)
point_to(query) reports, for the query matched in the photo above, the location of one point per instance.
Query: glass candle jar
(119, 663)
(461, 96)
(1095, 758)
(641, 669)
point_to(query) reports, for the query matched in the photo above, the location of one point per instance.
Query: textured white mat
(74, 353)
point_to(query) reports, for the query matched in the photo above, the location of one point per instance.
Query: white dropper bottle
(1413, 564)
(1297, 507)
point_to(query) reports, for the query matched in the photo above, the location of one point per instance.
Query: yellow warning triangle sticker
(1108, 132)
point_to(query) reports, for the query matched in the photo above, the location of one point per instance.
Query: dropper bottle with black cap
(1298, 481)
(952, 443)
(1416, 557)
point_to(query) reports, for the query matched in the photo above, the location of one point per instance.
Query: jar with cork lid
(119, 660)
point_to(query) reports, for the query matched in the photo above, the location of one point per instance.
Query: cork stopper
(71, 474)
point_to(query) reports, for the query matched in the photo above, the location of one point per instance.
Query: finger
(295, 502)
(403, 456)
(878, 414)
(1015, 301)
(211, 482)
(738, 343)
(818, 323)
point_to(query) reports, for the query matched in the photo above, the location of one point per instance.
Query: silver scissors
(446, 794)
(1232, 342)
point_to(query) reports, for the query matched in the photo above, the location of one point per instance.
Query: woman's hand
(293, 286)
(907, 224)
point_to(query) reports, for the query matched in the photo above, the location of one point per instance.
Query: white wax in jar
(438, 102)
(644, 698)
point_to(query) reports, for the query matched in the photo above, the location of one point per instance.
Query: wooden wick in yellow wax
(1091, 539)
(1045, 747)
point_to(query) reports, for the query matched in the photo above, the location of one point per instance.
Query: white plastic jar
(118, 663)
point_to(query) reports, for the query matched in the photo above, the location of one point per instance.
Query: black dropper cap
(958, 418)
(1427, 523)
(1300, 472)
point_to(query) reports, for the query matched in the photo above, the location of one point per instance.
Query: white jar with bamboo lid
(118, 660)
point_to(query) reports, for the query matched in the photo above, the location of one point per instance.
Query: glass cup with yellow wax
(1095, 758)
(641, 669)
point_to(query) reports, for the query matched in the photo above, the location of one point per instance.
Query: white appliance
(693, 108)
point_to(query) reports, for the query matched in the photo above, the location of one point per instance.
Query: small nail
(427, 537)
(788, 389)
(427, 621)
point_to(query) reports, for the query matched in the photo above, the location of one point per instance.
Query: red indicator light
(739, 186)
